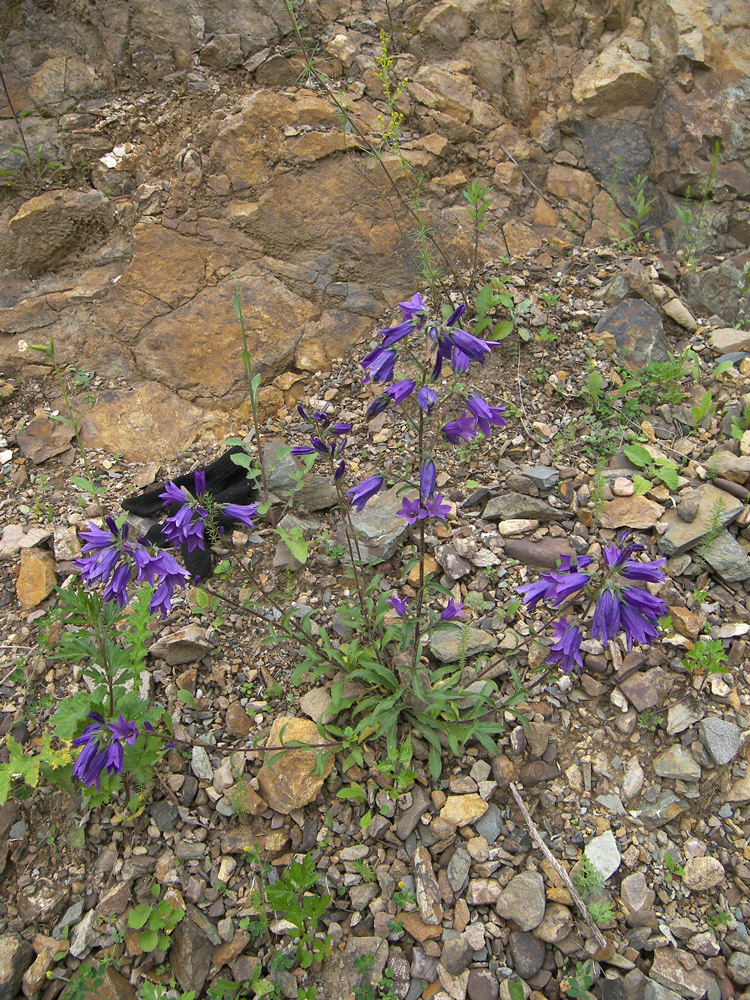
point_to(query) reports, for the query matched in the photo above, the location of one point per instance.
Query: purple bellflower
(412, 510)
(398, 604)
(427, 399)
(117, 559)
(427, 478)
(366, 490)
(463, 429)
(566, 648)
(454, 609)
(188, 524)
(102, 748)
(487, 416)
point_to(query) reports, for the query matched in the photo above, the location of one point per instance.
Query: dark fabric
(225, 481)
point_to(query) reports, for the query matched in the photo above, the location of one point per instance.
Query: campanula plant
(618, 606)
(401, 688)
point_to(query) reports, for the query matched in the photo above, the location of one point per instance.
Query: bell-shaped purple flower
(379, 364)
(436, 508)
(427, 399)
(463, 429)
(606, 621)
(398, 604)
(241, 512)
(487, 416)
(427, 478)
(454, 609)
(412, 510)
(359, 495)
(566, 650)
(399, 391)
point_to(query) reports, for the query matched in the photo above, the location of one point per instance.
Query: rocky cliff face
(193, 153)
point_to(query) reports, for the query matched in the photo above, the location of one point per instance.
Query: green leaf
(641, 485)
(724, 366)
(501, 330)
(484, 299)
(186, 697)
(295, 541)
(84, 484)
(515, 989)
(138, 916)
(354, 791)
(149, 940)
(638, 455)
(668, 475)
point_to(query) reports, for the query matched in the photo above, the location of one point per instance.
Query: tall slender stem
(16, 118)
(74, 424)
(247, 363)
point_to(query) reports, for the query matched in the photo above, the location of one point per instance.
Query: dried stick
(534, 831)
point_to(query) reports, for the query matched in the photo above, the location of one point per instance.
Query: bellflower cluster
(428, 503)
(617, 607)
(331, 440)
(102, 748)
(187, 525)
(110, 557)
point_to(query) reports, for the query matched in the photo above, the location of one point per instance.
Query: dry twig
(534, 831)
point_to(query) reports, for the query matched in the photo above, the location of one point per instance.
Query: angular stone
(635, 894)
(685, 622)
(463, 810)
(678, 971)
(36, 578)
(638, 332)
(517, 505)
(48, 226)
(633, 780)
(381, 530)
(523, 901)
(417, 928)
(427, 889)
(738, 968)
(456, 955)
(44, 438)
(16, 955)
(639, 690)
(727, 558)
(666, 808)
(43, 905)
(482, 985)
(447, 643)
(681, 535)
(615, 80)
(543, 554)
(528, 953)
(146, 423)
(286, 780)
(721, 738)
(184, 645)
(190, 955)
(483, 891)
(604, 854)
(631, 512)
(556, 925)
(677, 762)
(725, 340)
(703, 873)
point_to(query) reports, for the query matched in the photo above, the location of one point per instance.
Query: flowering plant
(617, 605)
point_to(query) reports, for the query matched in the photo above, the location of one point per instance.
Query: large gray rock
(16, 955)
(523, 901)
(721, 738)
(714, 506)
(47, 227)
(638, 332)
